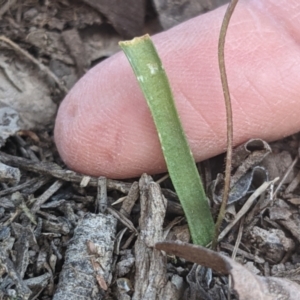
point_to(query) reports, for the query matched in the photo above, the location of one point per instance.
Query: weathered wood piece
(172, 12)
(52, 169)
(127, 17)
(150, 265)
(87, 269)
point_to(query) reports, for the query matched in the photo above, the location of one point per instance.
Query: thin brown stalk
(221, 58)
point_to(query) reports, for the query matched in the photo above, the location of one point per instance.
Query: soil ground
(66, 235)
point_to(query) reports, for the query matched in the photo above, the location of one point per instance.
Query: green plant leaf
(154, 83)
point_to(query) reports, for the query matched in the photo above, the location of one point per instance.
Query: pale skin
(104, 126)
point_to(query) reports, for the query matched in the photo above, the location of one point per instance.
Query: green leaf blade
(154, 83)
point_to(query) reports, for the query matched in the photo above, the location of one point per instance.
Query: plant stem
(221, 58)
(154, 83)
